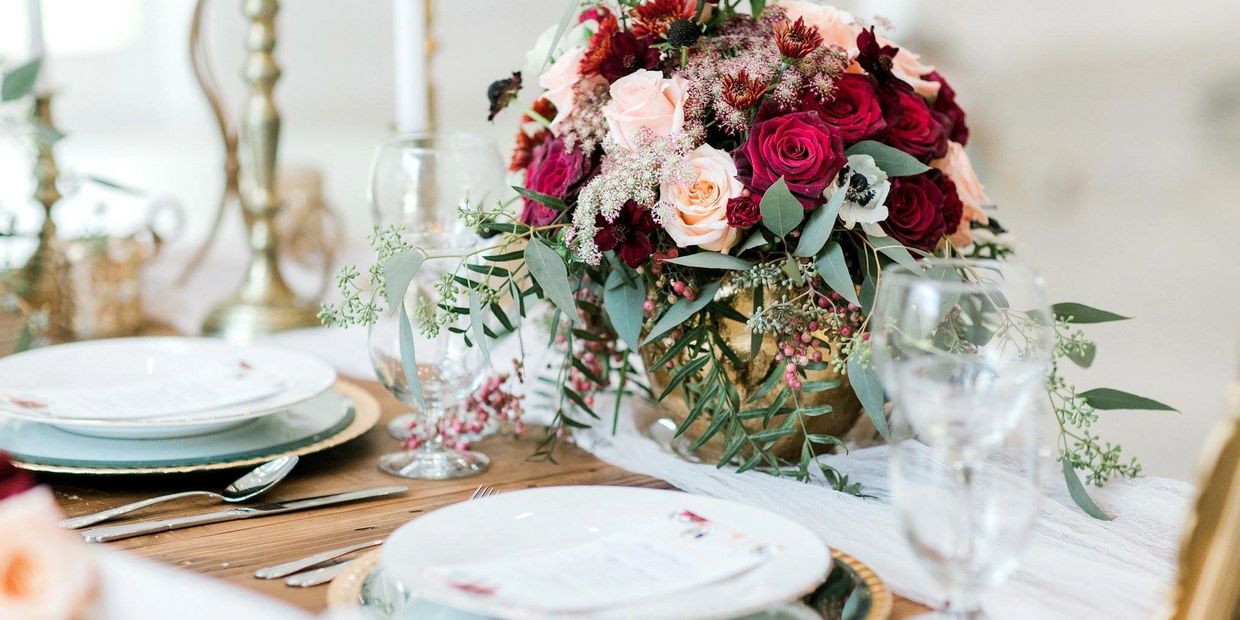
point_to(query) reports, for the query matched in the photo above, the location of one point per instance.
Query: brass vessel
(845, 408)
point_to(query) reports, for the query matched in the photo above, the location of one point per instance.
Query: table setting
(734, 332)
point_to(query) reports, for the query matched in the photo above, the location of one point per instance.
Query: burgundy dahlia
(626, 54)
(918, 210)
(557, 171)
(629, 235)
(800, 147)
(918, 131)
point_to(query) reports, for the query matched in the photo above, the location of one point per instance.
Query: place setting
(700, 310)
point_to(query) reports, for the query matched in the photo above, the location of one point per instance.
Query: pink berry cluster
(593, 354)
(802, 344)
(493, 401)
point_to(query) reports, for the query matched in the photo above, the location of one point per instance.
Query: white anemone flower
(867, 186)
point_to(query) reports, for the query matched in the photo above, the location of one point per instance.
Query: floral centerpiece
(711, 191)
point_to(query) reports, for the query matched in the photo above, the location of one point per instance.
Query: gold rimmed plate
(342, 413)
(851, 592)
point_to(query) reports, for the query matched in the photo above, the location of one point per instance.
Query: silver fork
(325, 574)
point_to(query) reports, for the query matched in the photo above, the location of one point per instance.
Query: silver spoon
(257, 481)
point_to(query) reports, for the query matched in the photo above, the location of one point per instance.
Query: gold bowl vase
(845, 408)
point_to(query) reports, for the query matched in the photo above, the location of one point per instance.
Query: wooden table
(232, 551)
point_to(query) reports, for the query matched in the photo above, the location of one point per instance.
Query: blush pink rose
(699, 205)
(837, 27)
(908, 67)
(645, 105)
(957, 166)
(560, 80)
(46, 572)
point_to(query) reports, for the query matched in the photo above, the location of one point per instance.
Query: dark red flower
(918, 130)
(503, 92)
(744, 211)
(877, 60)
(795, 39)
(630, 235)
(918, 210)
(523, 149)
(598, 14)
(742, 91)
(12, 479)
(599, 45)
(626, 54)
(953, 208)
(556, 171)
(946, 104)
(853, 108)
(800, 147)
(653, 18)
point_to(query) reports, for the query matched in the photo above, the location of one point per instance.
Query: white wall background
(1108, 131)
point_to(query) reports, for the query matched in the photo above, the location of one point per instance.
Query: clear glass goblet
(418, 181)
(962, 348)
(447, 371)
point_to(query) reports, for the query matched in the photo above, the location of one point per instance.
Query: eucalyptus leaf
(398, 272)
(680, 312)
(756, 7)
(1108, 399)
(864, 382)
(781, 211)
(756, 239)
(1085, 357)
(551, 274)
(895, 251)
(408, 357)
(565, 20)
(543, 199)
(820, 224)
(792, 268)
(19, 82)
(623, 299)
(1082, 314)
(893, 161)
(1077, 491)
(711, 260)
(868, 291)
(477, 326)
(834, 270)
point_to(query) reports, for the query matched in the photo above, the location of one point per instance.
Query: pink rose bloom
(560, 80)
(837, 27)
(699, 206)
(908, 67)
(645, 105)
(46, 573)
(957, 166)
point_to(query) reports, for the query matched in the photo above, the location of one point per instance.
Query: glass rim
(435, 137)
(903, 272)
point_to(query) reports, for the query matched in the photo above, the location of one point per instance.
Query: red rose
(916, 210)
(853, 108)
(919, 131)
(744, 210)
(12, 479)
(800, 147)
(629, 235)
(556, 171)
(953, 207)
(946, 104)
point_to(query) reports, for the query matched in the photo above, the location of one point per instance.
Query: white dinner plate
(107, 364)
(521, 522)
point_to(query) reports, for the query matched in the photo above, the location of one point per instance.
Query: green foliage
(818, 229)
(711, 260)
(781, 211)
(551, 274)
(1082, 314)
(1078, 492)
(681, 311)
(1107, 399)
(834, 270)
(18, 82)
(624, 295)
(893, 161)
(865, 383)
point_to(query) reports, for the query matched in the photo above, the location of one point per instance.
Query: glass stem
(434, 439)
(962, 601)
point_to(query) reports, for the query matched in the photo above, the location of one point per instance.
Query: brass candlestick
(264, 303)
(42, 281)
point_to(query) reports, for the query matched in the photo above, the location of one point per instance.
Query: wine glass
(417, 181)
(967, 521)
(447, 372)
(962, 348)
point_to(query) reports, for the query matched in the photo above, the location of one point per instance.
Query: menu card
(198, 389)
(680, 552)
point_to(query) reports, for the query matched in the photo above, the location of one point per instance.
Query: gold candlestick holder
(42, 282)
(264, 303)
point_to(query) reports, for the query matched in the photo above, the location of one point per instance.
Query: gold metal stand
(264, 303)
(43, 281)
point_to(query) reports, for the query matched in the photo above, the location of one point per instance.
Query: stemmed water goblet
(962, 348)
(417, 182)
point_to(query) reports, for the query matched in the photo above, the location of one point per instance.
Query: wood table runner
(233, 551)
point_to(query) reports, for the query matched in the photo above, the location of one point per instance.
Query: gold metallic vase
(845, 408)
(264, 303)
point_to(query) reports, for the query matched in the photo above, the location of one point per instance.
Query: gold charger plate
(365, 416)
(345, 590)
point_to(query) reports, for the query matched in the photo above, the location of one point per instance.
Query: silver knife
(117, 532)
(318, 576)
